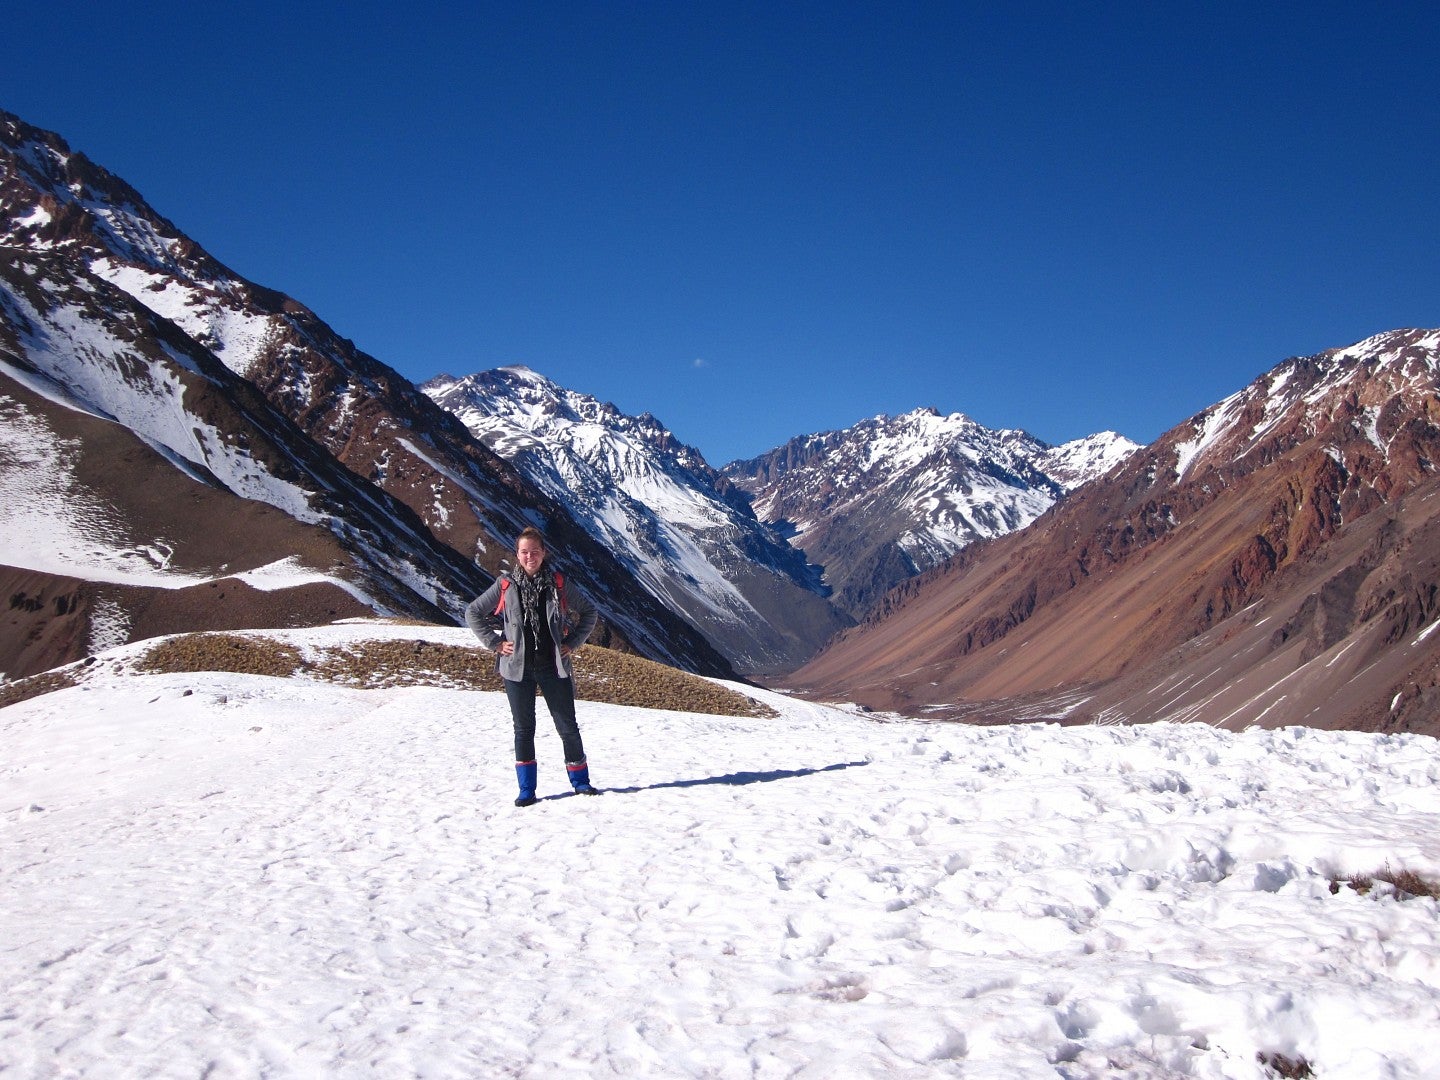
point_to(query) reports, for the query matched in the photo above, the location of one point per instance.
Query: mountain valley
(183, 449)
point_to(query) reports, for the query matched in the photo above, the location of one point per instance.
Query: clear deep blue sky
(763, 220)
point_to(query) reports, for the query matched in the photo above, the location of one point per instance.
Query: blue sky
(763, 220)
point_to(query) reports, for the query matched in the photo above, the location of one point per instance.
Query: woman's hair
(531, 533)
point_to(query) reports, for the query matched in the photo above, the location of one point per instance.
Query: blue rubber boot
(580, 777)
(525, 773)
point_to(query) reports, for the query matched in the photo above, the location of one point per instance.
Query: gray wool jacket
(571, 620)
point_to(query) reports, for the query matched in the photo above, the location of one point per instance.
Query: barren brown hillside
(1311, 491)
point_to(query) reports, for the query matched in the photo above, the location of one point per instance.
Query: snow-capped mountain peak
(1079, 461)
(655, 503)
(892, 496)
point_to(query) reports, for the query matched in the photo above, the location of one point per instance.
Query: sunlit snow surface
(54, 525)
(232, 876)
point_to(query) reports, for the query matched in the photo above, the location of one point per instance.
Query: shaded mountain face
(689, 537)
(110, 309)
(1274, 560)
(891, 497)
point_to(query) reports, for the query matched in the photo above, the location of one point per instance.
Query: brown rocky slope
(1274, 560)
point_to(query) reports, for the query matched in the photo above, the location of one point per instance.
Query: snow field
(273, 877)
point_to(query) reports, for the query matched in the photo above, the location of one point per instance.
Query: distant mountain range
(183, 449)
(891, 497)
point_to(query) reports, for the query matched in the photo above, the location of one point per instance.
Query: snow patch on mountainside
(126, 229)
(480, 503)
(235, 336)
(1421, 348)
(1079, 461)
(101, 374)
(291, 573)
(1208, 427)
(1298, 393)
(53, 525)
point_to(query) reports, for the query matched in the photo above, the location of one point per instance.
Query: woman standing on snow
(534, 620)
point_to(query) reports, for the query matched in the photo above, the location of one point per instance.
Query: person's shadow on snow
(737, 779)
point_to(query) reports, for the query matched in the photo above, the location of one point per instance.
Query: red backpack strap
(560, 592)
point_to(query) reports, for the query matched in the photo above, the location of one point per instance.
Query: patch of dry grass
(12, 693)
(374, 665)
(601, 675)
(621, 679)
(1408, 884)
(221, 652)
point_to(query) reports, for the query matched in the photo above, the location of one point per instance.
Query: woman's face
(530, 554)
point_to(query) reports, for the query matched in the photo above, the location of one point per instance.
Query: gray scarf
(532, 597)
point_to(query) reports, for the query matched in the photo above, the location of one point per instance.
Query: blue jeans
(559, 696)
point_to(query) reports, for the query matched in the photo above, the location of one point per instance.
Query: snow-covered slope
(57, 525)
(659, 507)
(880, 502)
(54, 525)
(1079, 461)
(208, 875)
